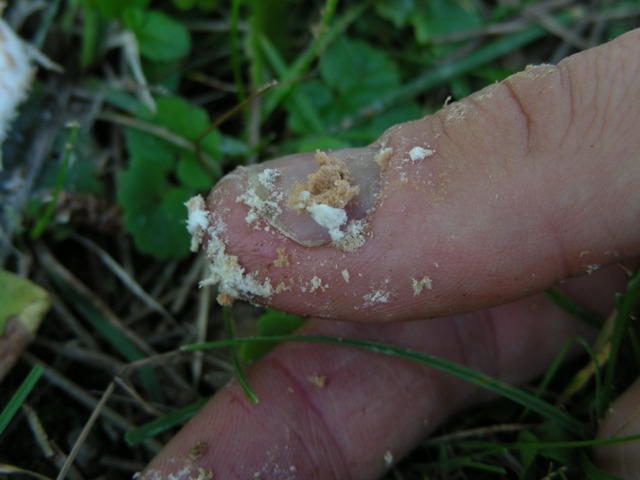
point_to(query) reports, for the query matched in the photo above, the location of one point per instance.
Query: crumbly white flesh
(320, 224)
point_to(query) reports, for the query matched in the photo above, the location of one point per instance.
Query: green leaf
(153, 211)
(21, 298)
(442, 17)
(181, 117)
(479, 379)
(317, 95)
(551, 433)
(369, 70)
(141, 186)
(150, 147)
(160, 37)
(527, 455)
(270, 323)
(155, 427)
(398, 12)
(150, 198)
(592, 472)
(163, 75)
(338, 97)
(232, 147)
(192, 174)
(91, 30)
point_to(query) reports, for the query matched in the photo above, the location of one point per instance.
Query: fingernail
(316, 198)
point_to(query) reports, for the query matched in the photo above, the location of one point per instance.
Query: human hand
(522, 185)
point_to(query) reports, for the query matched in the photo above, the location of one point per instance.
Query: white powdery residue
(383, 156)
(345, 275)
(388, 459)
(329, 217)
(316, 283)
(457, 111)
(197, 220)
(266, 203)
(187, 472)
(353, 236)
(418, 285)
(303, 197)
(258, 207)
(267, 177)
(377, 297)
(226, 272)
(594, 267)
(191, 472)
(419, 153)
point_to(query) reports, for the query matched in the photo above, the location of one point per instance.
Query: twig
(50, 452)
(58, 270)
(204, 304)
(133, 286)
(159, 132)
(72, 322)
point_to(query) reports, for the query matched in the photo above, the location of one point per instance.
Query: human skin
(532, 181)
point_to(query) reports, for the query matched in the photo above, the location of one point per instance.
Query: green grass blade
(42, 222)
(164, 423)
(444, 73)
(117, 339)
(20, 396)
(592, 472)
(551, 444)
(573, 308)
(329, 32)
(238, 371)
(527, 400)
(625, 303)
(300, 102)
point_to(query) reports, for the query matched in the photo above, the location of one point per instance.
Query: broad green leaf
(181, 117)
(141, 187)
(355, 69)
(160, 37)
(19, 297)
(430, 18)
(166, 235)
(339, 97)
(163, 75)
(398, 12)
(527, 455)
(152, 202)
(230, 146)
(150, 147)
(192, 174)
(154, 212)
(270, 323)
(443, 17)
